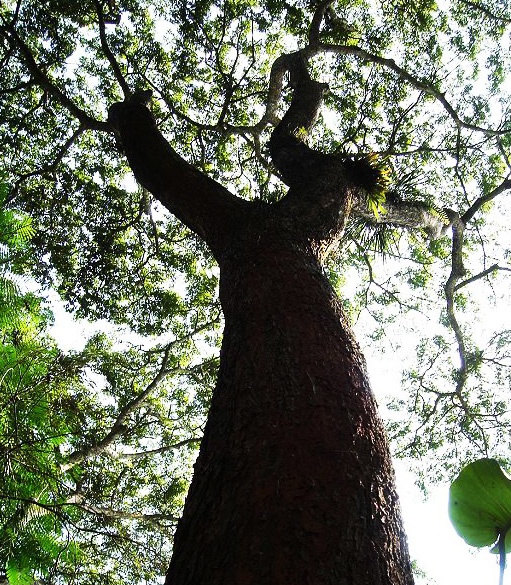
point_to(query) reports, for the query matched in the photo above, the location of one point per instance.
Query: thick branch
(288, 148)
(407, 214)
(316, 21)
(201, 203)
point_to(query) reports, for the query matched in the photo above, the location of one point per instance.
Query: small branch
(108, 53)
(493, 268)
(153, 519)
(57, 510)
(485, 11)
(40, 77)
(457, 272)
(407, 214)
(480, 201)
(190, 335)
(118, 427)
(51, 167)
(164, 449)
(16, 88)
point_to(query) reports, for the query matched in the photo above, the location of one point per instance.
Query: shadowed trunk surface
(293, 484)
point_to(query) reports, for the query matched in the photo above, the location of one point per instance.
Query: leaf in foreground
(480, 507)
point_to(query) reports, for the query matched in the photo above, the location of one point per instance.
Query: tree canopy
(82, 436)
(418, 89)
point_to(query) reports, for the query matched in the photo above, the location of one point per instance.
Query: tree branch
(201, 203)
(282, 65)
(485, 11)
(164, 449)
(39, 76)
(108, 53)
(51, 167)
(493, 268)
(407, 214)
(480, 201)
(457, 272)
(427, 88)
(153, 519)
(117, 428)
(316, 21)
(288, 148)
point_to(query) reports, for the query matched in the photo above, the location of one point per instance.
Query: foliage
(15, 231)
(423, 85)
(82, 436)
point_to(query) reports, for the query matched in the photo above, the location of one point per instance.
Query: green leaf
(17, 576)
(480, 504)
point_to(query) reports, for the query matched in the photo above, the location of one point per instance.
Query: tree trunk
(294, 483)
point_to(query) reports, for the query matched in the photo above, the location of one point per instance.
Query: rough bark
(294, 482)
(201, 203)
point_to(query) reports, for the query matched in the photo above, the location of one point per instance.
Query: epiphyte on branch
(371, 173)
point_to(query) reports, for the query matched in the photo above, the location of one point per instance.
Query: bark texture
(293, 483)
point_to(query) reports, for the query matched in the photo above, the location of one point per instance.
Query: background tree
(402, 76)
(82, 436)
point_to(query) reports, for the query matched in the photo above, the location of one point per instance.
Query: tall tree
(293, 481)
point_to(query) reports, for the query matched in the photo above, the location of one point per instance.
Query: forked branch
(458, 272)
